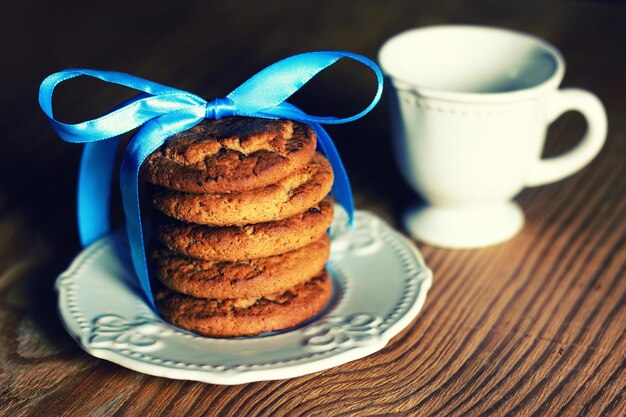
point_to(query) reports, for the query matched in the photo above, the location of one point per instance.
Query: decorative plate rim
(77, 326)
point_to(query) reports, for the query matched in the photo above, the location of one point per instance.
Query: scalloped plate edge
(374, 345)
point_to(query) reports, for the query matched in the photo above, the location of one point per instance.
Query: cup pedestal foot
(464, 228)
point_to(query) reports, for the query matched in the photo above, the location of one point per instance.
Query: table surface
(531, 326)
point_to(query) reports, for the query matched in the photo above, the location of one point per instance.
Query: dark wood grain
(534, 326)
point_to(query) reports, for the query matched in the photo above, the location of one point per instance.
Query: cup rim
(551, 82)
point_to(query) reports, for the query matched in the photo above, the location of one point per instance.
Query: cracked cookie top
(231, 154)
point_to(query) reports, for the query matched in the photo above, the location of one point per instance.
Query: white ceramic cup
(470, 107)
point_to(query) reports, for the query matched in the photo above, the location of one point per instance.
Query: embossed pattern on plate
(380, 283)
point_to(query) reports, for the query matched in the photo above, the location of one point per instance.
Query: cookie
(231, 154)
(233, 243)
(240, 279)
(291, 195)
(247, 316)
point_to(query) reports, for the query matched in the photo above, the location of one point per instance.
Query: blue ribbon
(163, 111)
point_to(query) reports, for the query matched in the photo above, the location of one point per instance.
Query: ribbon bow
(163, 111)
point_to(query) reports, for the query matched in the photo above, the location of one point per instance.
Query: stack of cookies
(241, 234)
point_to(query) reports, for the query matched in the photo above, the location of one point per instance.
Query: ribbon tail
(341, 185)
(94, 189)
(147, 140)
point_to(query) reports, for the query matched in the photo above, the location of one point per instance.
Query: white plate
(379, 285)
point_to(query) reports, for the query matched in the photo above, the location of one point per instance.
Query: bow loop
(219, 108)
(265, 93)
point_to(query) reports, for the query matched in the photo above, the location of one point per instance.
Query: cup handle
(553, 169)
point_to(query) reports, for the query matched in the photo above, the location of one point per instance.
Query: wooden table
(532, 326)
